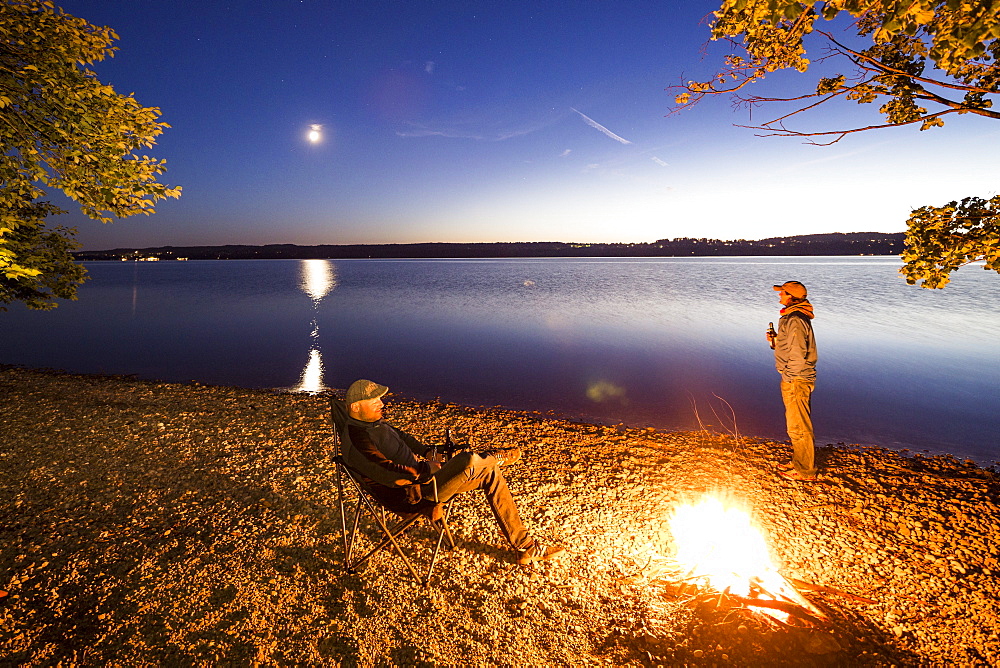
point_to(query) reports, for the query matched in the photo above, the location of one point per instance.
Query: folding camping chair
(368, 505)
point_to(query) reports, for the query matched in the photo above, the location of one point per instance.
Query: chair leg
(350, 536)
(343, 517)
(349, 552)
(389, 534)
(447, 527)
(430, 566)
(390, 537)
(442, 532)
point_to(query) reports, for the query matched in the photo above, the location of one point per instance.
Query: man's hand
(413, 494)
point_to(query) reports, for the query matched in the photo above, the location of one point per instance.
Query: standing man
(397, 470)
(795, 358)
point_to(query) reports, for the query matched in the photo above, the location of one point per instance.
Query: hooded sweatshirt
(795, 345)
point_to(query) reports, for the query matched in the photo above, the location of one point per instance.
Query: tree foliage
(60, 127)
(921, 60)
(44, 267)
(958, 39)
(941, 239)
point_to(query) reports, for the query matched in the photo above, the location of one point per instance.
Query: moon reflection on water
(317, 279)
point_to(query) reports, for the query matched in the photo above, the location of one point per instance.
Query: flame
(718, 542)
(718, 545)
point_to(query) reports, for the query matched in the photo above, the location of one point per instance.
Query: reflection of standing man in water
(795, 358)
(318, 279)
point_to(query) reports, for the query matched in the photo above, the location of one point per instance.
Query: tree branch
(875, 64)
(784, 132)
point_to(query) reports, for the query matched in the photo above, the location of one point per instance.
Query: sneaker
(538, 552)
(504, 457)
(795, 475)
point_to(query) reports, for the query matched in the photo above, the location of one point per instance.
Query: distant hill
(851, 243)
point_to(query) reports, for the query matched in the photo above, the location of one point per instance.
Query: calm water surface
(665, 342)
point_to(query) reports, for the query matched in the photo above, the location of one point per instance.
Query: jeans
(467, 471)
(797, 396)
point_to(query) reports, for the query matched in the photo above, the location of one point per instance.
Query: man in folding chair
(387, 457)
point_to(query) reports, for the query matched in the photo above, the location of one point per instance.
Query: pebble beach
(146, 523)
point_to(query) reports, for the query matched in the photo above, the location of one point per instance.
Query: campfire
(723, 557)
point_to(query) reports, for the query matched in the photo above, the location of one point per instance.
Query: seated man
(387, 458)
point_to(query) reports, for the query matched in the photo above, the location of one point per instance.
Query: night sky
(488, 121)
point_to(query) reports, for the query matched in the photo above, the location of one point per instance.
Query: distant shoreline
(852, 243)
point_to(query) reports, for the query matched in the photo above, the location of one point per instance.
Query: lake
(673, 343)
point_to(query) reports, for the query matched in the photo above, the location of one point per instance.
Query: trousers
(797, 396)
(467, 471)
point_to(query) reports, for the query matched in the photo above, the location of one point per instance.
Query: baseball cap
(794, 288)
(363, 390)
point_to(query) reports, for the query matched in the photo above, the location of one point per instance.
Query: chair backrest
(338, 413)
(346, 451)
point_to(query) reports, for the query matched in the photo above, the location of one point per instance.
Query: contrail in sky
(597, 126)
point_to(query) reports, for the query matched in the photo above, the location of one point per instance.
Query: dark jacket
(385, 459)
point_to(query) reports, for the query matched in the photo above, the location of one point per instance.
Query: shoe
(504, 457)
(787, 466)
(538, 552)
(795, 475)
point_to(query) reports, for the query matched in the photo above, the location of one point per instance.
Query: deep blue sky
(486, 121)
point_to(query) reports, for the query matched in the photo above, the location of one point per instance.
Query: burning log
(787, 607)
(802, 585)
(774, 609)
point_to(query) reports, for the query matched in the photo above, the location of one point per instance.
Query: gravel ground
(161, 524)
